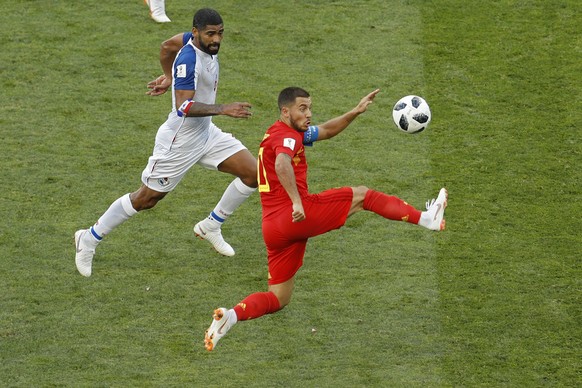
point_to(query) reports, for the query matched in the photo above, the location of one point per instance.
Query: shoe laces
(429, 203)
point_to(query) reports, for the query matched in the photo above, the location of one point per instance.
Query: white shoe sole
(217, 329)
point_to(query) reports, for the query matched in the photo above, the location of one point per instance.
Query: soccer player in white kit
(187, 137)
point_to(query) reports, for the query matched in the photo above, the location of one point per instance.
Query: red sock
(256, 305)
(390, 207)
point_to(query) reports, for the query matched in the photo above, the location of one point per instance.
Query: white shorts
(166, 168)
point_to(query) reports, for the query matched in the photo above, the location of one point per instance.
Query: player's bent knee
(283, 296)
(250, 181)
(140, 205)
(143, 201)
(283, 302)
(359, 193)
(249, 176)
(150, 203)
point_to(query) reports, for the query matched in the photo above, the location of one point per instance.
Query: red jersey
(280, 138)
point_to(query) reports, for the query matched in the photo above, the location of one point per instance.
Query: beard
(210, 49)
(297, 126)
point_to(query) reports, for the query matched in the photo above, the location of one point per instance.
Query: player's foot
(435, 211)
(157, 10)
(222, 321)
(214, 237)
(84, 254)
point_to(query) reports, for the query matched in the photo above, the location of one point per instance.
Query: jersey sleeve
(286, 144)
(184, 70)
(186, 38)
(310, 135)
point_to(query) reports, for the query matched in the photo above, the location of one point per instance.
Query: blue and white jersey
(186, 38)
(193, 69)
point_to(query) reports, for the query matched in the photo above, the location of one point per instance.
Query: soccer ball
(411, 114)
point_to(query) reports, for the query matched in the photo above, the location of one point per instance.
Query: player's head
(295, 108)
(207, 28)
(288, 96)
(206, 16)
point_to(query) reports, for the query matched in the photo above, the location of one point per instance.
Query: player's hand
(237, 109)
(159, 86)
(298, 212)
(364, 102)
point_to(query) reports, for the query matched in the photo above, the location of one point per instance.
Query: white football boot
(213, 236)
(84, 254)
(158, 10)
(433, 218)
(222, 321)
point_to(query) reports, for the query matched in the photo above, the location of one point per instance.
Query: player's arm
(334, 126)
(186, 106)
(286, 175)
(168, 51)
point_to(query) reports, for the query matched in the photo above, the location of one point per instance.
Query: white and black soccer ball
(411, 114)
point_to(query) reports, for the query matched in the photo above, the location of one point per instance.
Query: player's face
(299, 114)
(208, 39)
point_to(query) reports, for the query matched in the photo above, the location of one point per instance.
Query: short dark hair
(205, 17)
(288, 95)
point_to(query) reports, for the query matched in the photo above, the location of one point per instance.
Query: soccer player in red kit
(291, 215)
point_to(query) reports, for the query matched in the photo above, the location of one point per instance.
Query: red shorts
(286, 240)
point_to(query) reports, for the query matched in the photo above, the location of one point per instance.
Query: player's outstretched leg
(222, 321)
(205, 230)
(86, 240)
(84, 252)
(433, 218)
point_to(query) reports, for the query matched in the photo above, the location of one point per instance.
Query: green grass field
(495, 300)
